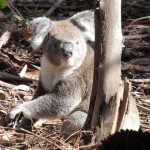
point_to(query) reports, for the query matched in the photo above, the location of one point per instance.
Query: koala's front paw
(13, 112)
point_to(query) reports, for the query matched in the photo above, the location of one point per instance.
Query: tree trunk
(105, 99)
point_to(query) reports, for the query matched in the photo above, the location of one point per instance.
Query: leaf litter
(18, 64)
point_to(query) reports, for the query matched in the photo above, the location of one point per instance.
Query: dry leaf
(23, 71)
(4, 38)
(22, 87)
(32, 71)
(2, 95)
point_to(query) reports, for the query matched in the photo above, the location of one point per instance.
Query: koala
(66, 74)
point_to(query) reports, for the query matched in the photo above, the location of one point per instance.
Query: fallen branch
(49, 6)
(8, 85)
(137, 36)
(135, 67)
(140, 61)
(13, 9)
(143, 108)
(51, 10)
(145, 48)
(146, 17)
(140, 80)
(88, 147)
(14, 77)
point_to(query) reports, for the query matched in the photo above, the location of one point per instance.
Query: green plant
(2, 4)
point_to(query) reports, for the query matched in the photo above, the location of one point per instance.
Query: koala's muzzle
(67, 49)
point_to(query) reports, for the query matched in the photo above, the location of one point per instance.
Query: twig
(147, 17)
(135, 67)
(48, 6)
(145, 126)
(143, 108)
(145, 48)
(137, 36)
(89, 147)
(140, 61)
(42, 138)
(51, 142)
(14, 77)
(6, 134)
(140, 80)
(8, 85)
(10, 5)
(51, 10)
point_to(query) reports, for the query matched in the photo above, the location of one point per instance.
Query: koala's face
(65, 44)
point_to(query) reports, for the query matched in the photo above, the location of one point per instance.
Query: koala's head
(64, 42)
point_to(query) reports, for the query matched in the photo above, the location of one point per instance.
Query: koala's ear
(36, 31)
(85, 22)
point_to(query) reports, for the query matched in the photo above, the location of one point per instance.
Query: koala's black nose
(67, 49)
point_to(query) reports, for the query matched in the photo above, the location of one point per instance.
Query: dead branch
(14, 77)
(13, 9)
(135, 67)
(140, 61)
(8, 85)
(145, 48)
(51, 10)
(143, 108)
(6, 134)
(49, 6)
(140, 80)
(137, 36)
(146, 17)
(88, 147)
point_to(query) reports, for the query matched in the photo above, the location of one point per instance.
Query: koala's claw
(13, 113)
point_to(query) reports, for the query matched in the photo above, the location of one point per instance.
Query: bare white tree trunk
(108, 46)
(110, 110)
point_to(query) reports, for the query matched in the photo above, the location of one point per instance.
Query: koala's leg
(73, 123)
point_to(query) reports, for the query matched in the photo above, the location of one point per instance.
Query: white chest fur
(51, 74)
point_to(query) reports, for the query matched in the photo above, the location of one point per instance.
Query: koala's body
(66, 75)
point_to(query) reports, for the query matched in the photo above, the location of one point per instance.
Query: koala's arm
(59, 103)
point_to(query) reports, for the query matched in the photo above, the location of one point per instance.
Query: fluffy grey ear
(85, 22)
(37, 29)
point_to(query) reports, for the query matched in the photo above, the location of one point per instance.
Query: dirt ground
(20, 66)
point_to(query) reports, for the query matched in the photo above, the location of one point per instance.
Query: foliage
(2, 4)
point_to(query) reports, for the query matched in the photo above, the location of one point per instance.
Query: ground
(20, 66)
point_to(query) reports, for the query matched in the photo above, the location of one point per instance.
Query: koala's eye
(77, 42)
